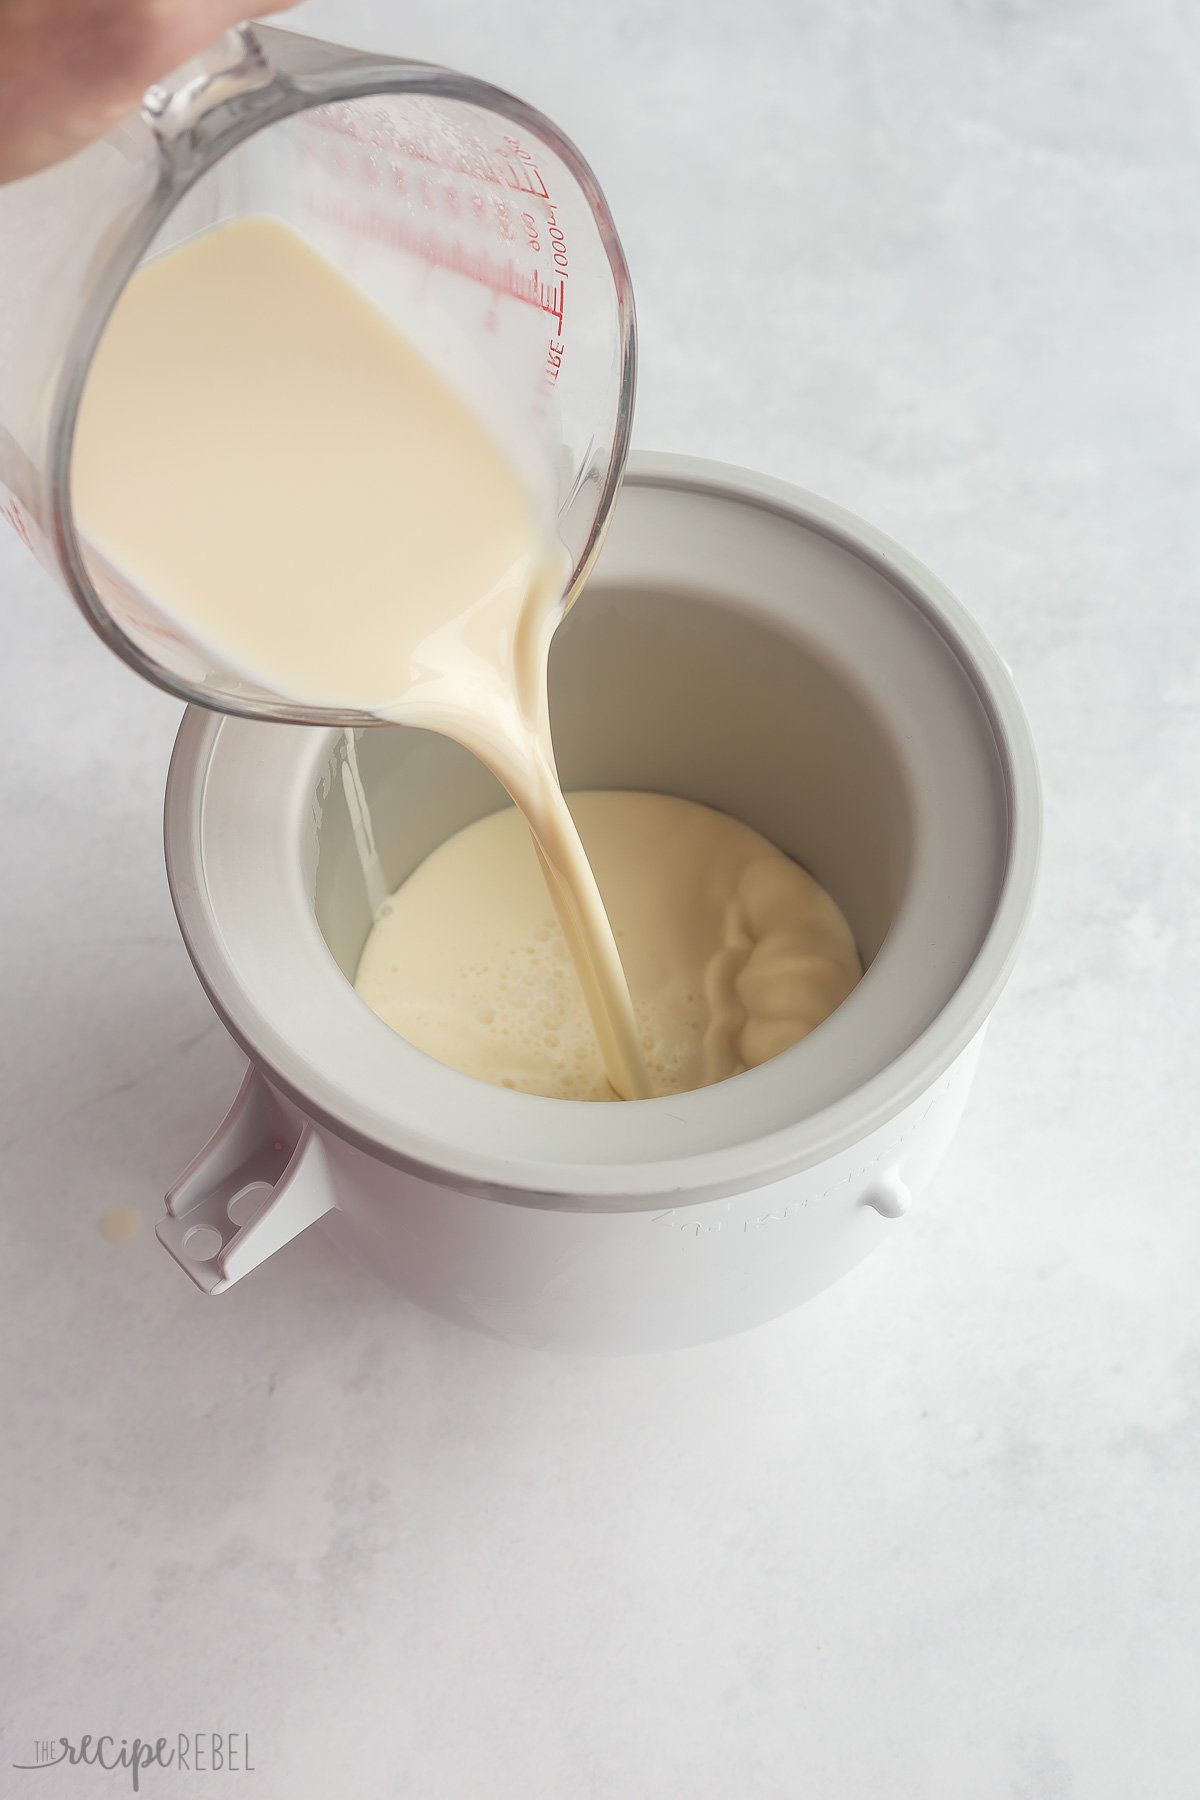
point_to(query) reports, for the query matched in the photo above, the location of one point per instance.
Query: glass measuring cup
(462, 213)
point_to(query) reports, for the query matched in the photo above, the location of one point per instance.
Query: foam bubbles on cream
(732, 951)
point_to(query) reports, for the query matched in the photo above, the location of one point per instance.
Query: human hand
(69, 69)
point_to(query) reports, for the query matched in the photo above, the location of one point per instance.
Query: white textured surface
(936, 1536)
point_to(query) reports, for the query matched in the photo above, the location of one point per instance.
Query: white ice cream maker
(741, 644)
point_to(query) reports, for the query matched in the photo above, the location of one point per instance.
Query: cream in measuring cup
(263, 452)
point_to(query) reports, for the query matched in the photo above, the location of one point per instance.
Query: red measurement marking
(16, 519)
(517, 171)
(555, 351)
(504, 223)
(382, 134)
(524, 178)
(498, 277)
(558, 242)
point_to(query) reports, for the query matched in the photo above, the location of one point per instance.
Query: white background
(935, 1537)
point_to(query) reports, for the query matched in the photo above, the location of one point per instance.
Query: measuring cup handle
(253, 1147)
(229, 70)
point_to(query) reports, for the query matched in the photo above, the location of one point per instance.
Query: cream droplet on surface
(119, 1223)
